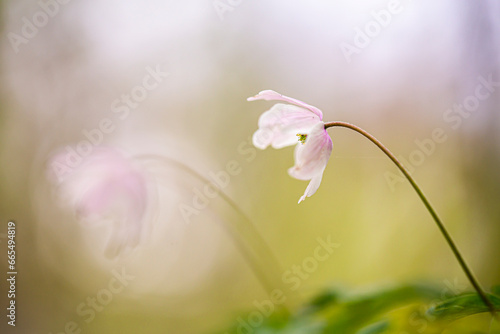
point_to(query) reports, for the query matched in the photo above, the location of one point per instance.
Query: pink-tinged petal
(106, 186)
(280, 125)
(270, 95)
(312, 156)
(262, 138)
(312, 187)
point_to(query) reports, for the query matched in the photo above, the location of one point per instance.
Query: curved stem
(433, 213)
(269, 278)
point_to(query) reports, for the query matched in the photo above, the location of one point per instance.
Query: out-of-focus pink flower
(283, 123)
(105, 186)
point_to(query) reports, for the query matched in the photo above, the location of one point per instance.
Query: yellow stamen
(302, 138)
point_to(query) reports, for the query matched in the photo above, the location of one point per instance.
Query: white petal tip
(262, 138)
(260, 145)
(265, 95)
(301, 199)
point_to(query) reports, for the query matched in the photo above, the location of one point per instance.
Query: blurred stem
(267, 277)
(433, 213)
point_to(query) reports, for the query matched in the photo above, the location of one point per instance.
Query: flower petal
(106, 187)
(311, 158)
(312, 186)
(262, 138)
(280, 125)
(270, 95)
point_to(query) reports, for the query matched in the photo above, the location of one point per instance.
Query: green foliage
(410, 308)
(376, 328)
(462, 306)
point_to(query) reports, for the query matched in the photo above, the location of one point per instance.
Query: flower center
(302, 138)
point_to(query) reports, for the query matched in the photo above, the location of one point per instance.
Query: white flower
(105, 187)
(297, 123)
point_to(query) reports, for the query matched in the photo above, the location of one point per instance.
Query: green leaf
(496, 290)
(376, 328)
(462, 306)
(325, 299)
(355, 311)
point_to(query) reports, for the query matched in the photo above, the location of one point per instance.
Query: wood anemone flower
(283, 123)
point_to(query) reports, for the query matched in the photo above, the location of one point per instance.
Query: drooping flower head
(108, 187)
(295, 123)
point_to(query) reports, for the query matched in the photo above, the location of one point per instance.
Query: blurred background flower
(105, 187)
(171, 78)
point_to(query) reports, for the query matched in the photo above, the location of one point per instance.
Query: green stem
(433, 213)
(254, 254)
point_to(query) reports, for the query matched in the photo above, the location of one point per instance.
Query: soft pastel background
(191, 277)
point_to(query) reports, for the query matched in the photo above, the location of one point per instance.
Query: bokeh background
(191, 276)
